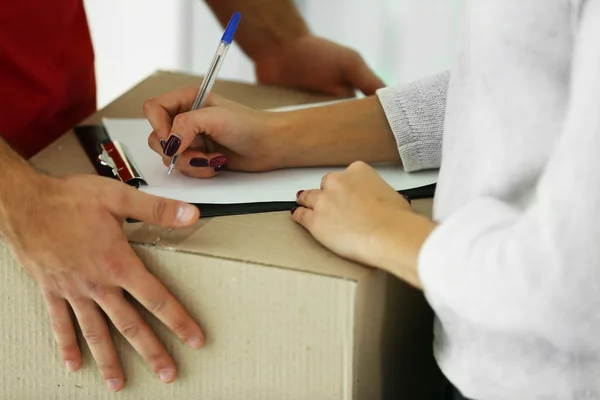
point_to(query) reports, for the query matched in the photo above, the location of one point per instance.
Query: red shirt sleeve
(47, 82)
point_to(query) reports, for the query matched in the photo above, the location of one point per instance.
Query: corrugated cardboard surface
(284, 318)
(259, 322)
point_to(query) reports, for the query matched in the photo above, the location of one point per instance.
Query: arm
(266, 24)
(415, 113)
(403, 124)
(274, 35)
(400, 124)
(534, 269)
(17, 178)
(51, 226)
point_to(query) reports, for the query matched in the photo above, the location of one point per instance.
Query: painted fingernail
(166, 375)
(185, 212)
(218, 163)
(299, 193)
(71, 366)
(194, 342)
(172, 146)
(163, 144)
(199, 162)
(293, 210)
(113, 384)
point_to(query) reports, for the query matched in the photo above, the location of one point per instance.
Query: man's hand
(274, 35)
(312, 63)
(67, 234)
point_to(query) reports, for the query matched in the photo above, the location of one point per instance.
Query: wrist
(396, 245)
(269, 52)
(17, 206)
(335, 135)
(266, 26)
(291, 148)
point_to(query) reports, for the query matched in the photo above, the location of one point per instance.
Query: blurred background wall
(401, 40)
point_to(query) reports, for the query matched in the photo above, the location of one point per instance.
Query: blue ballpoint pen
(213, 71)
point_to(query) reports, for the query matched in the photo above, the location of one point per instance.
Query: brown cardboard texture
(284, 318)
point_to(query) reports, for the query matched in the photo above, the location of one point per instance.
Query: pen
(213, 71)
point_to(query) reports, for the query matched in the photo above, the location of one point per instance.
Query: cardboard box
(284, 318)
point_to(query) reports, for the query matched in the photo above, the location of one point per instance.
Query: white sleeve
(416, 113)
(533, 270)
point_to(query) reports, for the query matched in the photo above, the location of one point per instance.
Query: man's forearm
(265, 24)
(17, 177)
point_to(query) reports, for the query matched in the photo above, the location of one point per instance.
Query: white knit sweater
(513, 269)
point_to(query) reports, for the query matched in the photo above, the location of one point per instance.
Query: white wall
(402, 40)
(133, 38)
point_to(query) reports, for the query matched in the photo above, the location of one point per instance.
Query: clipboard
(111, 160)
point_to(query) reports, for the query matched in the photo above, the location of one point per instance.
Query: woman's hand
(237, 136)
(359, 216)
(245, 139)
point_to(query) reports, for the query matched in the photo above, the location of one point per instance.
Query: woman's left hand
(359, 216)
(349, 210)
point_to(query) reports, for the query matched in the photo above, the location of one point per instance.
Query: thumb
(360, 76)
(132, 203)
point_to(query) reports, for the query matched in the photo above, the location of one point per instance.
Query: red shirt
(47, 82)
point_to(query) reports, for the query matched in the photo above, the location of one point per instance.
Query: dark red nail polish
(218, 163)
(199, 162)
(293, 210)
(299, 193)
(172, 146)
(163, 143)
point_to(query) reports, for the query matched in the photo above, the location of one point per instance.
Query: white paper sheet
(233, 187)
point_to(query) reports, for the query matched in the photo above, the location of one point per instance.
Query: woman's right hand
(239, 138)
(245, 139)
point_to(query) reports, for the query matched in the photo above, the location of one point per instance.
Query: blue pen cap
(231, 28)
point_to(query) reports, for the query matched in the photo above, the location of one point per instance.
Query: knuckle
(130, 329)
(149, 105)
(109, 371)
(357, 165)
(159, 209)
(326, 179)
(151, 140)
(318, 201)
(60, 326)
(120, 195)
(115, 269)
(156, 304)
(68, 350)
(180, 328)
(189, 88)
(332, 179)
(299, 214)
(353, 56)
(180, 121)
(95, 289)
(155, 359)
(93, 337)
